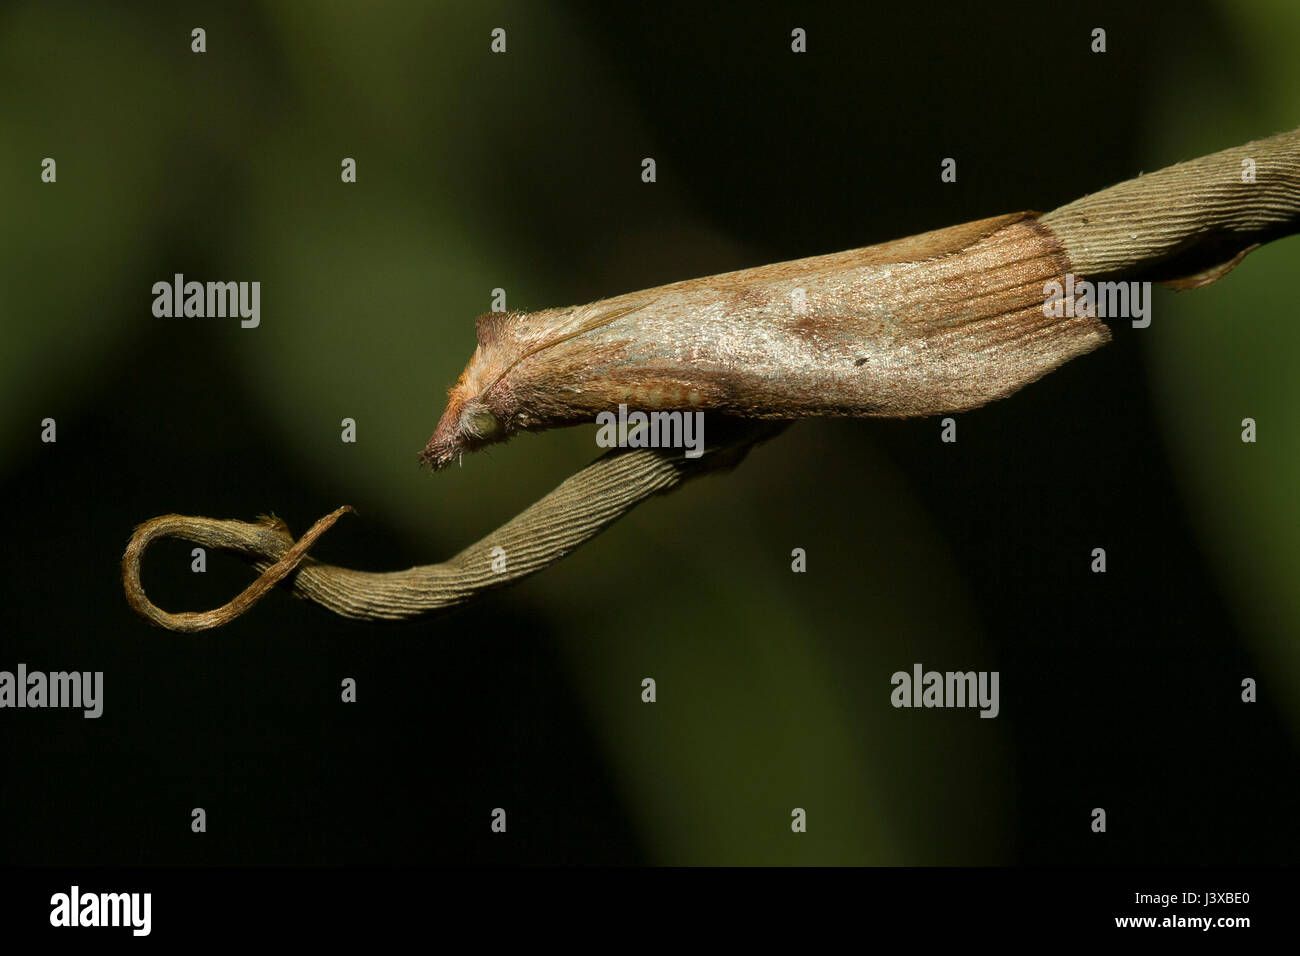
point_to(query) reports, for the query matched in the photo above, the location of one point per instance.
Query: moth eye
(483, 424)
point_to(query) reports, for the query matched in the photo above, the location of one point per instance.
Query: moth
(939, 322)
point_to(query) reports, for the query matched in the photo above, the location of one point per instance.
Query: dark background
(523, 171)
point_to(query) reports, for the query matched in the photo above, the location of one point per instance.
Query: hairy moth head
(531, 370)
(479, 406)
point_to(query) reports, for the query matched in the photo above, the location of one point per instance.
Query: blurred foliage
(1228, 352)
(475, 173)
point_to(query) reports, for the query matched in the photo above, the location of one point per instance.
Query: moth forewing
(940, 322)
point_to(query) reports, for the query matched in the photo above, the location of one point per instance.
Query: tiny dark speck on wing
(860, 362)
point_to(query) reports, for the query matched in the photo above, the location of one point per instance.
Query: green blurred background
(522, 171)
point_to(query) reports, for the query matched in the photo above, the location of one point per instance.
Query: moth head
(479, 423)
(490, 401)
(466, 426)
(477, 413)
